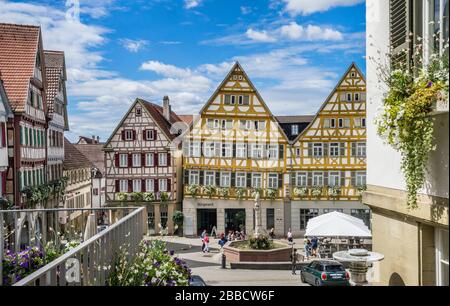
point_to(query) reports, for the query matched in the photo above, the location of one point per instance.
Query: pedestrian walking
(307, 243)
(272, 233)
(290, 237)
(206, 242)
(202, 236)
(294, 258)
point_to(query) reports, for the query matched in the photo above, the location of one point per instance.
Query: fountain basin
(236, 251)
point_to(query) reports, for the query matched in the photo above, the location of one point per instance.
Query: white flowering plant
(300, 192)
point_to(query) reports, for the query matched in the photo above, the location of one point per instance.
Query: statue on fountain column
(258, 226)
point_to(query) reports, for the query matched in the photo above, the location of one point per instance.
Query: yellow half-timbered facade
(327, 161)
(234, 148)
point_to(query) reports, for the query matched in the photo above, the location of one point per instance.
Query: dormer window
(294, 129)
(138, 112)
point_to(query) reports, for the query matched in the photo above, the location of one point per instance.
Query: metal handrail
(61, 260)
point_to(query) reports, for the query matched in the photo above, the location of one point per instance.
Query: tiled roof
(73, 158)
(54, 68)
(18, 49)
(95, 154)
(186, 118)
(157, 113)
(88, 140)
(294, 119)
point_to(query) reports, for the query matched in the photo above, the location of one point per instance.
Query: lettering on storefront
(205, 204)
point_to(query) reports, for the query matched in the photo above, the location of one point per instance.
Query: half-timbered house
(57, 116)
(234, 148)
(23, 72)
(5, 115)
(141, 162)
(327, 160)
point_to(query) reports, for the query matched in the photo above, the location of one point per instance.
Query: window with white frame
(128, 134)
(163, 185)
(360, 179)
(318, 149)
(123, 186)
(357, 97)
(225, 179)
(326, 123)
(194, 149)
(272, 181)
(149, 160)
(302, 179)
(233, 100)
(162, 159)
(257, 151)
(357, 122)
(340, 123)
(256, 180)
(363, 122)
(241, 150)
(137, 158)
(241, 180)
(318, 179)
(137, 185)
(361, 149)
(332, 123)
(272, 151)
(150, 134)
(347, 122)
(294, 129)
(241, 100)
(334, 149)
(227, 150)
(194, 177)
(216, 123)
(123, 160)
(210, 178)
(150, 185)
(348, 97)
(208, 149)
(334, 178)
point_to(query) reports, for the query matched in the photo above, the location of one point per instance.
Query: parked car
(197, 281)
(325, 273)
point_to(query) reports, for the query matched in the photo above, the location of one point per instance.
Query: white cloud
(245, 10)
(134, 45)
(165, 70)
(259, 36)
(189, 4)
(308, 7)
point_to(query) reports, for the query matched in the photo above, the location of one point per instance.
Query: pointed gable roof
(350, 68)
(73, 158)
(19, 45)
(55, 69)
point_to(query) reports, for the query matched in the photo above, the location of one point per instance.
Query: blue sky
(293, 50)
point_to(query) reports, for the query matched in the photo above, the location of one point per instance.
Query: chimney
(166, 108)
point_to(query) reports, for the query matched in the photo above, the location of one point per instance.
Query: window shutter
(143, 186)
(144, 135)
(156, 160)
(143, 161)
(353, 148)
(123, 135)
(134, 135)
(325, 178)
(342, 178)
(310, 179)
(155, 135)
(400, 27)
(281, 151)
(130, 186)
(310, 149)
(249, 180)
(201, 177)
(353, 178)
(156, 185)
(117, 160)
(325, 149)
(169, 160)
(227, 99)
(280, 180)
(186, 148)
(130, 160)
(117, 186)
(342, 149)
(246, 100)
(217, 178)
(169, 185)
(186, 177)
(293, 179)
(234, 150)
(233, 179)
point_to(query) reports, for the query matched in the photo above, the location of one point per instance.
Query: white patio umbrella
(336, 224)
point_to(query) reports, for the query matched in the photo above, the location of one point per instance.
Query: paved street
(208, 267)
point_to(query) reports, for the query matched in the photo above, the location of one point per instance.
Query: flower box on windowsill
(440, 107)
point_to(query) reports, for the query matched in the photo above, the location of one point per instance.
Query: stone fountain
(359, 260)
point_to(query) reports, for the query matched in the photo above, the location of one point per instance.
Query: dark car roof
(327, 262)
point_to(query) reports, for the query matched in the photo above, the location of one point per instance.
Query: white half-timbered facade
(141, 162)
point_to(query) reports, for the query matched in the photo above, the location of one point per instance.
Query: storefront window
(305, 215)
(442, 257)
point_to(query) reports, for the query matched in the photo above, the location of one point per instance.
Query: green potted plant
(193, 190)
(316, 191)
(334, 191)
(210, 191)
(137, 196)
(272, 193)
(178, 219)
(149, 196)
(164, 197)
(300, 192)
(122, 196)
(224, 192)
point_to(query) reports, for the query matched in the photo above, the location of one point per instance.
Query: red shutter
(134, 135)
(155, 135)
(130, 160)
(156, 161)
(117, 158)
(144, 135)
(3, 135)
(156, 181)
(169, 185)
(143, 160)
(169, 160)
(123, 135)
(130, 186)
(117, 186)
(144, 187)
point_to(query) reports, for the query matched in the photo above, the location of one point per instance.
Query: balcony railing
(88, 264)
